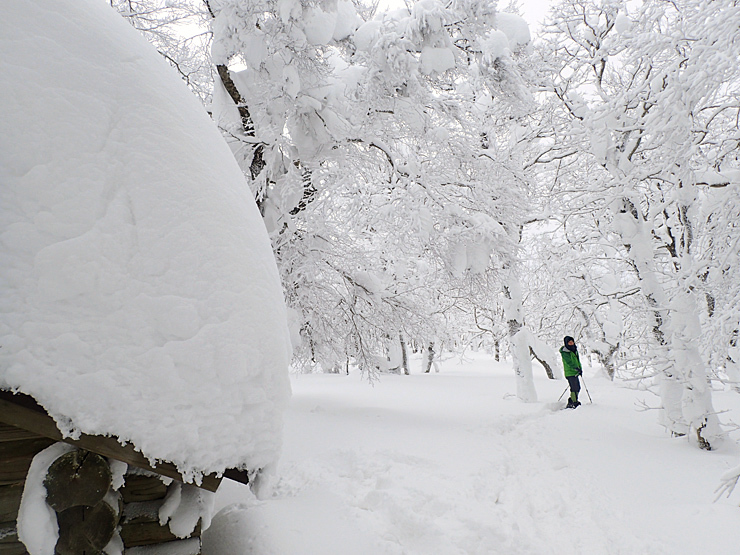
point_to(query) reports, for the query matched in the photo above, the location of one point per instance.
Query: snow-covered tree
(641, 95)
(179, 31)
(377, 175)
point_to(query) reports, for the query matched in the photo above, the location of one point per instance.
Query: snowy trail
(450, 463)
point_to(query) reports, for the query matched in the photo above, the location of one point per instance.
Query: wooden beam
(16, 457)
(137, 534)
(10, 500)
(15, 470)
(23, 447)
(22, 411)
(237, 475)
(149, 533)
(9, 544)
(139, 488)
(11, 433)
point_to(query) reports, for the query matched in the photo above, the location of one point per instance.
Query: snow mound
(495, 45)
(514, 27)
(623, 23)
(138, 292)
(436, 60)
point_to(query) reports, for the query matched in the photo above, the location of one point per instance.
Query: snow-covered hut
(142, 324)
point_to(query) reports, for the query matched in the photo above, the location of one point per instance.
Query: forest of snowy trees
(434, 177)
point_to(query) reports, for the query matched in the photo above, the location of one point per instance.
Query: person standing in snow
(572, 369)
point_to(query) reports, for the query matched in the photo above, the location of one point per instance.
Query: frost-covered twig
(728, 481)
(642, 406)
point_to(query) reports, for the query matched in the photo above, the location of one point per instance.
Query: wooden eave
(22, 411)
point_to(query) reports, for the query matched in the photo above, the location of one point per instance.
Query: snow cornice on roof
(22, 411)
(139, 296)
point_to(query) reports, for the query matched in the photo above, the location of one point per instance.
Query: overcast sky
(534, 11)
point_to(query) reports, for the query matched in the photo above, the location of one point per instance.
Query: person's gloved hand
(580, 373)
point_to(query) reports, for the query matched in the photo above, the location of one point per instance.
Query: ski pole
(587, 393)
(563, 393)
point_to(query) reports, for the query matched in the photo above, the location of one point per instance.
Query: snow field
(452, 463)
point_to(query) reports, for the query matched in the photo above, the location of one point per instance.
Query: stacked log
(89, 511)
(78, 488)
(143, 495)
(17, 449)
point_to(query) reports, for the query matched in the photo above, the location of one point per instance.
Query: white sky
(533, 11)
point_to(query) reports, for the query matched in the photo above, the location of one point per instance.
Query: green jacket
(571, 362)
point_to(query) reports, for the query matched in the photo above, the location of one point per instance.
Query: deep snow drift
(453, 464)
(138, 291)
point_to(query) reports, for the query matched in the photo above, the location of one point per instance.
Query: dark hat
(568, 338)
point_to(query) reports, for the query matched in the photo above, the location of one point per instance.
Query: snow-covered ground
(453, 463)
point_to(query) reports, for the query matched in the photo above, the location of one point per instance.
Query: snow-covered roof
(138, 292)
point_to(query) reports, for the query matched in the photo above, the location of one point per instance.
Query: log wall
(17, 449)
(141, 498)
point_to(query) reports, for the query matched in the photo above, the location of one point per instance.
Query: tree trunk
(404, 355)
(684, 388)
(257, 164)
(732, 363)
(696, 401)
(543, 362)
(520, 345)
(607, 360)
(429, 358)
